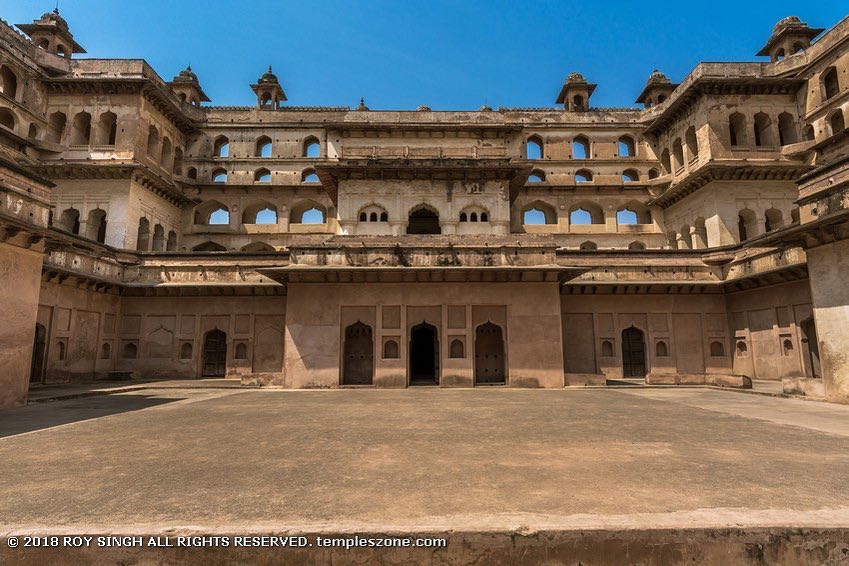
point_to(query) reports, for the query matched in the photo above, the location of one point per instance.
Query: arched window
(626, 147)
(219, 217)
(130, 351)
(699, 234)
(390, 350)
(746, 224)
(263, 146)
(580, 148)
(578, 103)
(653, 173)
(221, 147)
(636, 246)
(309, 176)
(171, 242)
(473, 217)
(809, 133)
(457, 349)
(607, 349)
(661, 350)
(58, 120)
(533, 149)
(763, 130)
(580, 216)
(70, 220)
(536, 176)
(665, 161)
(7, 118)
(158, 238)
(630, 176)
(484, 217)
(262, 176)
(241, 352)
(8, 82)
(107, 129)
(105, 351)
(583, 176)
(209, 247)
(539, 213)
(60, 350)
(678, 152)
(165, 158)
(96, 225)
(737, 130)
(589, 246)
(384, 217)
(258, 247)
(787, 129)
(33, 132)
(773, 219)
(178, 161)
(787, 347)
(312, 147)
(186, 351)
(830, 83)
(212, 212)
(626, 217)
(308, 212)
(692, 143)
(364, 217)
(219, 176)
(192, 173)
(586, 213)
(143, 235)
(81, 129)
(153, 142)
(717, 349)
(836, 122)
(372, 217)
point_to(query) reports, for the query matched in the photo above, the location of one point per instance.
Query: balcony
(423, 152)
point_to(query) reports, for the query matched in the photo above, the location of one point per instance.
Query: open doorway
(424, 355)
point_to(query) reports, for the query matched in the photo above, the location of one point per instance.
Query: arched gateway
(633, 353)
(358, 352)
(215, 354)
(424, 355)
(489, 355)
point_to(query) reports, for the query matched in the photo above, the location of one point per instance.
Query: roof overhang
(325, 274)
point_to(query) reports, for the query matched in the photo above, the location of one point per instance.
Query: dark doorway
(489, 355)
(423, 221)
(39, 347)
(809, 338)
(215, 354)
(424, 355)
(358, 361)
(633, 353)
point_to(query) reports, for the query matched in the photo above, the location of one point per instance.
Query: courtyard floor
(225, 459)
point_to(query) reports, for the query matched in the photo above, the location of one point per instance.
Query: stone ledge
(807, 386)
(719, 380)
(584, 379)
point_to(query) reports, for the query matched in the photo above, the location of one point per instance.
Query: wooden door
(358, 355)
(215, 354)
(633, 353)
(489, 355)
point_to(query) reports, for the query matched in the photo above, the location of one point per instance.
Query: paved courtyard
(219, 459)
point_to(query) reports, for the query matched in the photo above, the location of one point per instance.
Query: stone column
(827, 267)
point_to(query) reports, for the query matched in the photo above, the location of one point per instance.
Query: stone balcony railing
(420, 152)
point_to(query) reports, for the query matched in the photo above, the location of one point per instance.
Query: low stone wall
(584, 379)
(719, 380)
(710, 546)
(808, 386)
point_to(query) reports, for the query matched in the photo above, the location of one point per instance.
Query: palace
(702, 237)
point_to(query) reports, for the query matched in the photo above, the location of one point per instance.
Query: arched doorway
(809, 339)
(489, 355)
(424, 355)
(214, 354)
(423, 221)
(358, 355)
(633, 353)
(38, 350)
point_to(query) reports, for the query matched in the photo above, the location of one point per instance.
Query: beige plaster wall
(318, 313)
(686, 324)
(761, 320)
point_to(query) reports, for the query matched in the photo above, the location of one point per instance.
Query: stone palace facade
(698, 237)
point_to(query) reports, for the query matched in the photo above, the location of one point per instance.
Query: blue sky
(445, 54)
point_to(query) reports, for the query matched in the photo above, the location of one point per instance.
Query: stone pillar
(20, 283)
(827, 267)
